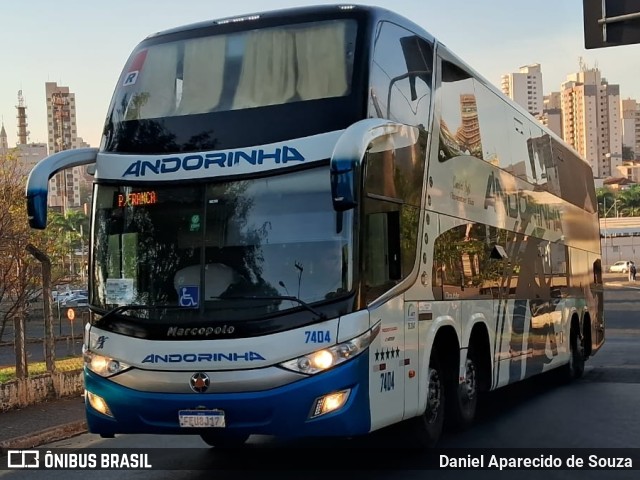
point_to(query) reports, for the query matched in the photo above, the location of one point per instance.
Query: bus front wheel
(428, 426)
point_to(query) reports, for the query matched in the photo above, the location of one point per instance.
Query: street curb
(53, 434)
(9, 343)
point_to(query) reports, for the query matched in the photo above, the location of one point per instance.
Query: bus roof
(374, 11)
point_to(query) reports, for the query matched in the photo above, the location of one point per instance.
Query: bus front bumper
(284, 411)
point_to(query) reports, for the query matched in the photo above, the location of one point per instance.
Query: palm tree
(71, 232)
(606, 199)
(629, 201)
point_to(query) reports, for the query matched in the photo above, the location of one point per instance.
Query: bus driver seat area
(217, 278)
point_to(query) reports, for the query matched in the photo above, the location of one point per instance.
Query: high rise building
(23, 133)
(525, 88)
(631, 129)
(551, 115)
(468, 134)
(64, 188)
(591, 120)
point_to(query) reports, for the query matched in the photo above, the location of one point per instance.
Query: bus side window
(390, 247)
(401, 76)
(459, 124)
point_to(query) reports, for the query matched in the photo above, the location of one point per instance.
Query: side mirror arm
(38, 182)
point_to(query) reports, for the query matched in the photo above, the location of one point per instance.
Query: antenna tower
(23, 133)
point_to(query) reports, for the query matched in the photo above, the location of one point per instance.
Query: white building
(525, 88)
(591, 120)
(29, 154)
(620, 240)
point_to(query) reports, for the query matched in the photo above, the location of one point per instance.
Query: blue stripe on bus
(281, 411)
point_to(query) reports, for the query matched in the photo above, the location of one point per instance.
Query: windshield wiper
(123, 308)
(321, 315)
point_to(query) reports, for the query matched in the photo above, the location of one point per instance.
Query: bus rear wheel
(464, 396)
(575, 368)
(224, 439)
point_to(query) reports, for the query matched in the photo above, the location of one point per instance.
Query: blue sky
(83, 45)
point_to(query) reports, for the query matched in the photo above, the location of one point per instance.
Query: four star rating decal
(386, 354)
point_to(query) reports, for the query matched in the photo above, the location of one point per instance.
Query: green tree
(628, 153)
(70, 235)
(606, 199)
(20, 273)
(629, 201)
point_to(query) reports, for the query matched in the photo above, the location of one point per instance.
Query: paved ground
(42, 423)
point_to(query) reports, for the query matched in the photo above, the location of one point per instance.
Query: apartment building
(64, 188)
(525, 88)
(591, 120)
(631, 129)
(551, 115)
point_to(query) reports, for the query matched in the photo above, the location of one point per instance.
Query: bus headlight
(102, 365)
(322, 360)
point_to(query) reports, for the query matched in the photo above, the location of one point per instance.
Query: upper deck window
(241, 70)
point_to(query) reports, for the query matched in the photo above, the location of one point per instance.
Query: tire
(427, 428)
(463, 397)
(224, 439)
(575, 368)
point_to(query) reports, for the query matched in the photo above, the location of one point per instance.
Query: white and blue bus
(321, 222)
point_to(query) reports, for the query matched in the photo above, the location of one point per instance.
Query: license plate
(201, 418)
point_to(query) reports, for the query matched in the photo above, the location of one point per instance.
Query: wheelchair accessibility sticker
(189, 296)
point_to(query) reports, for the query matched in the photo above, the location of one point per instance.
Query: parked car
(67, 295)
(620, 267)
(76, 301)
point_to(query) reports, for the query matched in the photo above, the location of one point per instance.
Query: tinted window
(459, 124)
(246, 69)
(400, 76)
(397, 173)
(389, 245)
(469, 262)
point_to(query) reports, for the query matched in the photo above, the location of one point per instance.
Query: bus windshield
(220, 250)
(240, 70)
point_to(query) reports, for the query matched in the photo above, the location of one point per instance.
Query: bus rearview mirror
(370, 135)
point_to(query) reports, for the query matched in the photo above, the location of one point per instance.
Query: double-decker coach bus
(321, 222)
